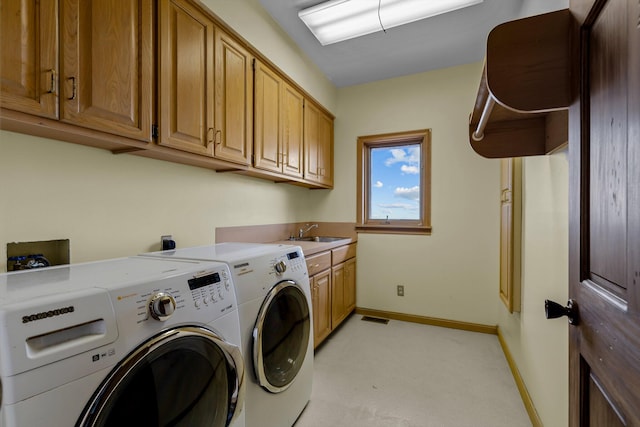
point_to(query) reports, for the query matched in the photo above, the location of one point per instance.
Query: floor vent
(375, 319)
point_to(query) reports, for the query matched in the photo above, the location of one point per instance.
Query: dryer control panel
(296, 261)
(210, 288)
(291, 262)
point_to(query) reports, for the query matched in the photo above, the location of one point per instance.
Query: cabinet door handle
(73, 88)
(210, 136)
(52, 81)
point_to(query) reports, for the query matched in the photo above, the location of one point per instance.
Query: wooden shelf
(525, 89)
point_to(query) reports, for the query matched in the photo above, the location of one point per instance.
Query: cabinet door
(107, 66)
(338, 308)
(325, 149)
(234, 100)
(321, 307)
(350, 285)
(267, 113)
(510, 234)
(29, 56)
(292, 131)
(186, 89)
(318, 144)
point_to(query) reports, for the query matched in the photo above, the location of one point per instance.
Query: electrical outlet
(167, 242)
(400, 290)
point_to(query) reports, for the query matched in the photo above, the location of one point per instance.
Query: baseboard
(434, 321)
(522, 388)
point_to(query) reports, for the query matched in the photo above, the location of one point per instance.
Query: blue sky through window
(395, 182)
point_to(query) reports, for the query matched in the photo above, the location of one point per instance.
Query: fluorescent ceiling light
(337, 20)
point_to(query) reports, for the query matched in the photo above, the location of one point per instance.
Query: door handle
(554, 310)
(73, 88)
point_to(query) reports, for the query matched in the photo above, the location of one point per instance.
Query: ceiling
(442, 41)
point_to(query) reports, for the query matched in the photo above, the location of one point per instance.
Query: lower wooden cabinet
(350, 285)
(332, 277)
(321, 296)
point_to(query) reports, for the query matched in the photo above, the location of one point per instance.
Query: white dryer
(130, 341)
(274, 304)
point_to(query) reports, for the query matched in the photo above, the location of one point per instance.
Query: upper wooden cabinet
(186, 77)
(162, 79)
(29, 57)
(525, 91)
(104, 79)
(205, 88)
(318, 145)
(278, 123)
(292, 131)
(233, 100)
(107, 66)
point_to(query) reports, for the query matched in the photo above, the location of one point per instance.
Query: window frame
(420, 137)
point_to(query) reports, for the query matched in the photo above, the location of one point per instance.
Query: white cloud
(389, 206)
(397, 155)
(411, 170)
(378, 184)
(412, 193)
(400, 155)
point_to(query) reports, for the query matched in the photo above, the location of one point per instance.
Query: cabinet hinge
(154, 131)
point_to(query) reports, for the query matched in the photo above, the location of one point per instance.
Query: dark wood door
(604, 277)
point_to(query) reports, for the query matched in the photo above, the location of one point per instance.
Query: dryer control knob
(162, 306)
(280, 267)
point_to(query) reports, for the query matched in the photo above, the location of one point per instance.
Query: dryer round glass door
(281, 336)
(186, 376)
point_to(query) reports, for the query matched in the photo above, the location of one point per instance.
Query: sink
(321, 239)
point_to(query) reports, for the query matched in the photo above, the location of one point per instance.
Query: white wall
(453, 273)
(540, 346)
(118, 205)
(112, 206)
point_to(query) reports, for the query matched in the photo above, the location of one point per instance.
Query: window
(394, 183)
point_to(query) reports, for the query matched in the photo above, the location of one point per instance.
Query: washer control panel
(195, 296)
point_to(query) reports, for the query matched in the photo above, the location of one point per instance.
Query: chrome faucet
(302, 231)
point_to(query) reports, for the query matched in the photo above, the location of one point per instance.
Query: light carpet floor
(409, 375)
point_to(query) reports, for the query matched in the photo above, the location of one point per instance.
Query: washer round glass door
(281, 336)
(186, 376)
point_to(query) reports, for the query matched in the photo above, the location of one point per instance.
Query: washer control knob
(280, 267)
(162, 306)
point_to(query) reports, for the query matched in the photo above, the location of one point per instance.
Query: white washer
(274, 304)
(130, 341)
